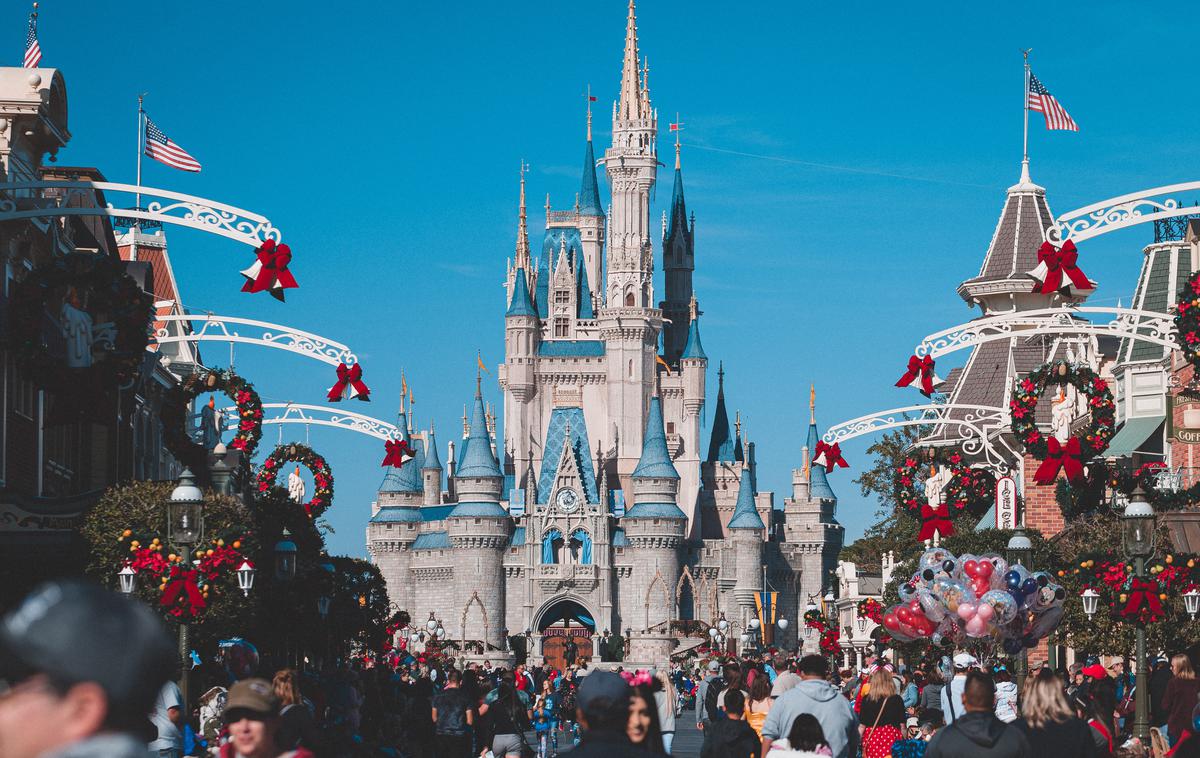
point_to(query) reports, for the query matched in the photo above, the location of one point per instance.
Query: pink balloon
(985, 611)
(976, 627)
(966, 611)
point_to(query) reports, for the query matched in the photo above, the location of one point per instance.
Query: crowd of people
(85, 673)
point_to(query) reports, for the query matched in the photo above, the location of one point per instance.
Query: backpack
(711, 695)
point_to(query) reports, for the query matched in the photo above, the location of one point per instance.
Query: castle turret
(693, 367)
(678, 251)
(591, 217)
(431, 470)
(390, 535)
(746, 529)
(479, 530)
(402, 486)
(655, 529)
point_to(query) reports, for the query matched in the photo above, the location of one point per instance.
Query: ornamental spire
(630, 105)
(522, 254)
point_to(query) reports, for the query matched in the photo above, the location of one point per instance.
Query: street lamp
(432, 623)
(245, 576)
(1191, 602)
(128, 580)
(783, 623)
(1137, 540)
(185, 520)
(1091, 601)
(285, 557)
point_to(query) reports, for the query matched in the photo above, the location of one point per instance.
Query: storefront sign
(1006, 503)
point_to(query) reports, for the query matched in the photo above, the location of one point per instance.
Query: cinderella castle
(602, 508)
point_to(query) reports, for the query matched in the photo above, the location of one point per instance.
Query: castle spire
(630, 105)
(812, 404)
(522, 253)
(819, 488)
(720, 446)
(745, 514)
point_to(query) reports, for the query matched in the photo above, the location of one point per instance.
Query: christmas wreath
(175, 408)
(870, 608)
(185, 581)
(304, 455)
(828, 630)
(1187, 320)
(1071, 456)
(968, 491)
(99, 303)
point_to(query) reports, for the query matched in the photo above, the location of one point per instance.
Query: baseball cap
(74, 631)
(964, 661)
(1096, 671)
(714, 665)
(601, 684)
(783, 683)
(913, 722)
(253, 695)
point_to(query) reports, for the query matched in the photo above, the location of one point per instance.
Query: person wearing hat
(602, 710)
(952, 693)
(80, 668)
(712, 678)
(252, 716)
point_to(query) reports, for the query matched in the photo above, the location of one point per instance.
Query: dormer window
(562, 297)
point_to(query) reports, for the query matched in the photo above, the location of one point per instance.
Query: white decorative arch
(1144, 326)
(300, 413)
(976, 423)
(213, 328)
(54, 199)
(1121, 212)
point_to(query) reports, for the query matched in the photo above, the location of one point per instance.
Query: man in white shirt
(952, 693)
(167, 718)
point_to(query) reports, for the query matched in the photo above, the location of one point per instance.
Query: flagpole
(1025, 143)
(137, 203)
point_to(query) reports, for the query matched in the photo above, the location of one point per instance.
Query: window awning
(1132, 437)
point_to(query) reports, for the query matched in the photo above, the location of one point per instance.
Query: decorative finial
(812, 403)
(677, 127)
(721, 375)
(693, 312)
(737, 422)
(589, 100)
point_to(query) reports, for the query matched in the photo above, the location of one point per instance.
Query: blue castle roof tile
(572, 348)
(745, 515)
(655, 510)
(432, 541)
(656, 459)
(556, 437)
(396, 514)
(488, 510)
(478, 460)
(521, 304)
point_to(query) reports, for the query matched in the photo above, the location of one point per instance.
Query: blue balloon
(1012, 580)
(1012, 646)
(1029, 586)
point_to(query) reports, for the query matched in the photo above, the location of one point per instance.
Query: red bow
(829, 456)
(1060, 457)
(349, 384)
(181, 582)
(398, 453)
(935, 521)
(1059, 263)
(922, 367)
(1143, 603)
(270, 271)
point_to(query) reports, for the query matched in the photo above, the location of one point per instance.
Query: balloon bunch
(951, 601)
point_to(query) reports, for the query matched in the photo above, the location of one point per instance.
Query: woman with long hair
(508, 718)
(806, 739)
(297, 727)
(759, 704)
(664, 701)
(1048, 721)
(883, 709)
(1180, 697)
(643, 729)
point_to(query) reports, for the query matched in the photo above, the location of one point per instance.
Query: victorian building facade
(601, 504)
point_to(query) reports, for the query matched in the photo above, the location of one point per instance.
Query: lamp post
(1191, 602)
(1137, 541)
(185, 527)
(285, 557)
(1020, 550)
(245, 576)
(1091, 601)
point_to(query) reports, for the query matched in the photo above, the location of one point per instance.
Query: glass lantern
(285, 558)
(1191, 602)
(782, 623)
(1137, 526)
(127, 578)
(723, 625)
(1091, 601)
(432, 623)
(245, 576)
(185, 523)
(754, 623)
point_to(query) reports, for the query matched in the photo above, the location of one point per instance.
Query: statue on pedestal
(935, 483)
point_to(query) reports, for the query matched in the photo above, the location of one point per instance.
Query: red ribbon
(922, 367)
(1060, 457)
(272, 271)
(349, 376)
(181, 582)
(397, 450)
(832, 455)
(1060, 262)
(1142, 593)
(935, 520)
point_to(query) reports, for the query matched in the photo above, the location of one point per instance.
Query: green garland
(174, 415)
(969, 491)
(113, 296)
(1076, 500)
(319, 468)
(1187, 320)
(1027, 391)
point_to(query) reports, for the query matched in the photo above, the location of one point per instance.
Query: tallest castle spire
(630, 106)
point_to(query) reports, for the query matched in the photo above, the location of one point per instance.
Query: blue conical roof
(521, 304)
(745, 515)
(407, 478)
(693, 348)
(656, 460)
(583, 292)
(478, 459)
(589, 190)
(432, 461)
(720, 446)
(818, 485)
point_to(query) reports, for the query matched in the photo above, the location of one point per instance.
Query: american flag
(1043, 102)
(162, 149)
(33, 51)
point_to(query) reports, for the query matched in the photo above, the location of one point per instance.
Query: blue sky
(384, 139)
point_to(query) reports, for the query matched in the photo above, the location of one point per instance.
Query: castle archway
(565, 626)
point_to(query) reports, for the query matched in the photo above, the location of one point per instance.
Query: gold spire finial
(737, 422)
(523, 226)
(693, 312)
(812, 403)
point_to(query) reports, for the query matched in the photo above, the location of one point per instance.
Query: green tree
(893, 531)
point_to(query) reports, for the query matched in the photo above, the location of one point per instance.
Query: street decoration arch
(54, 199)
(248, 412)
(976, 423)
(1069, 456)
(89, 289)
(301, 413)
(1120, 212)
(1128, 323)
(312, 460)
